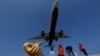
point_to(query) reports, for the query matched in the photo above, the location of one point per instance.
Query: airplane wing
(57, 35)
(36, 38)
(64, 36)
(39, 37)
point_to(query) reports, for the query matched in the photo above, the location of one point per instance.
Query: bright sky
(23, 19)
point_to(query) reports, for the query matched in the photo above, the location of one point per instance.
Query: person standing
(69, 50)
(60, 50)
(82, 49)
(51, 51)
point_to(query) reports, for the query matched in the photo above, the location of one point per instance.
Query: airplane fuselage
(54, 16)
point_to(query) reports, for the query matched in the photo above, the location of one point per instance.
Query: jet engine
(61, 32)
(42, 33)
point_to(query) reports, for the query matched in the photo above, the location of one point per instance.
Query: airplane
(52, 35)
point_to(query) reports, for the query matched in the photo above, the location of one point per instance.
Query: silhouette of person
(82, 49)
(51, 51)
(33, 49)
(60, 50)
(69, 50)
